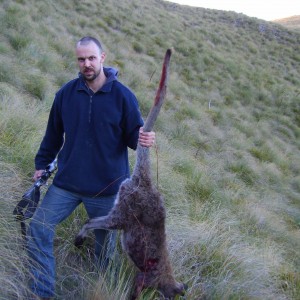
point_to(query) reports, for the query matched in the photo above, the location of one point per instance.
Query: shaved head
(88, 39)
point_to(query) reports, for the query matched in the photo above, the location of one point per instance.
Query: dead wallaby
(140, 213)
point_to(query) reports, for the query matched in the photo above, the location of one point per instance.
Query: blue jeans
(56, 206)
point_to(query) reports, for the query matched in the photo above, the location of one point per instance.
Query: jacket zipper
(90, 108)
(91, 102)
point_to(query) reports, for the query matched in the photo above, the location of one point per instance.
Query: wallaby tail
(160, 94)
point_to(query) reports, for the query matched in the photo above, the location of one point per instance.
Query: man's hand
(37, 175)
(146, 139)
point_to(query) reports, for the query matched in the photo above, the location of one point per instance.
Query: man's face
(90, 60)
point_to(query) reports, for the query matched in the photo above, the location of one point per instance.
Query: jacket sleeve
(53, 138)
(132, 122)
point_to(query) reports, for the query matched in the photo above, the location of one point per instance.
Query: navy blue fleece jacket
(90, 132)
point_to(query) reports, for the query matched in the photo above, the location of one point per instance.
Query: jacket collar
(111, 75)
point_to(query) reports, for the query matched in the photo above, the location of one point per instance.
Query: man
(93, 120)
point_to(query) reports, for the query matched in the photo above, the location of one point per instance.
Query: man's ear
(102, 57)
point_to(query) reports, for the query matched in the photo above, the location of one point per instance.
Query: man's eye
(81, 59)
(91, 58)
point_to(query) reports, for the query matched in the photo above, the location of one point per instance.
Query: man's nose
(87, 62)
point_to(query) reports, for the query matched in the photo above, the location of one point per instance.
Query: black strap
(30, 200)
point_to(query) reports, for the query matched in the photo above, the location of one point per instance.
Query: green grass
(228, 150)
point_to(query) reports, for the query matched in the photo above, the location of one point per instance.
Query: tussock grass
(20, 134)
(13, 265)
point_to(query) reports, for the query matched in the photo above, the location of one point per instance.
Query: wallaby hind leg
(104, 222)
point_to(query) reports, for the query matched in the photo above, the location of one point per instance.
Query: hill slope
(291, 22)
(228, 137)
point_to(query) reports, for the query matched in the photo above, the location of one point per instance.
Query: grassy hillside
(291, 22)
(228, 140)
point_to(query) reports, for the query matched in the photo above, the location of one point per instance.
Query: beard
(90, 77)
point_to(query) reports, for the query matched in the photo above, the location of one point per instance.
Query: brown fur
(140, 213)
